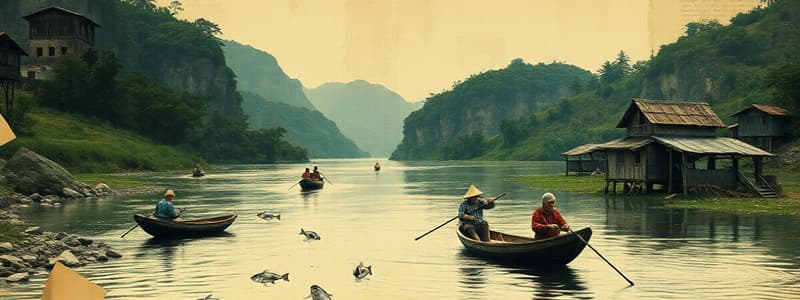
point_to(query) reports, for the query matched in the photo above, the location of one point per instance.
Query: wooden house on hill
(584, 160)
(10, 56)
(53, 33)
(674, 144)
(763, 126)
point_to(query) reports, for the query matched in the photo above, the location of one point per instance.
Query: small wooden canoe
(170, 229)
(198, 174)
(555, 251)
(377, 168)
(309, 184)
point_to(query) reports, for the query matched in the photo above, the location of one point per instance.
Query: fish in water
(268, 276)
(318, 293)
(209, 297)
(361, 271)
(310, 235)
(268, 215)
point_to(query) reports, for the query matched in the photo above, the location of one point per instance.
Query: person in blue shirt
(470, 215)
(165, 210)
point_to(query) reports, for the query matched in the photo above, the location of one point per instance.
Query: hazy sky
(418, 47)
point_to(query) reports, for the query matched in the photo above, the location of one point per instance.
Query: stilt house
(673, 144)
(763, 126)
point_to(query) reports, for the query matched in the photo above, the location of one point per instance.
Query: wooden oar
(325, 177)
(601, 256)
(451, 220)
(294, 185)
(129, 230)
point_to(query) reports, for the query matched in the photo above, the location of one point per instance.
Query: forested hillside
(378, 129)
(304, 127)
(264, 86)
(152, 73)
(753, 60)
(258, 72)
(453, 124)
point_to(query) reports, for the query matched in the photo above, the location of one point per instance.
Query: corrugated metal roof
(673, 113)
(581, 150)
(711, 145)
(770, 110)
(628, 143)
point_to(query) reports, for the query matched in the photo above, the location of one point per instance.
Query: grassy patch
(112, 180)
(788, 205)
(11, 233)
(581, 184)
(84, 145)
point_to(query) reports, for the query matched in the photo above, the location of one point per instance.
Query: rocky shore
(37, 179)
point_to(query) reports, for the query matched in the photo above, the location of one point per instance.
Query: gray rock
(29, 258)
(104, 189)
(24, 201)
(112, 253)
(16, 277)
(101, 257)
(68, 259)
(47, 201)
(85, 241)
(6, 247)
(71, 193)
(36, 197)
(12, 261)
(29, 172)
(36, 230)
(60, 235)
(72, 241)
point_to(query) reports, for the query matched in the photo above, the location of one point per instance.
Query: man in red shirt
(546, 221)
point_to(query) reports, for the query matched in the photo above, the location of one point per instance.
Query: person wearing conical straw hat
(470, 214)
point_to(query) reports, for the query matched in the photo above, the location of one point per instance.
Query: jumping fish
(361, 271)
(310, 235)
(268, 215)
(318, 293)
(268, 276)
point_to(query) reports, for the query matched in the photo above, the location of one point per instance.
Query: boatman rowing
(165, 210)
(470, 215)
(546, 221)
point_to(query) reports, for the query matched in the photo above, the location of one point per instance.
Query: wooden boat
(555, 251)
(377, 168)
(309, 184)
(198, 174)
(170, 229)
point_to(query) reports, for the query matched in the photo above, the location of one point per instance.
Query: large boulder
(29, 172)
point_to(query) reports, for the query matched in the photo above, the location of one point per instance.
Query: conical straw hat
(66, 284)
(472, 191)
(6, 135)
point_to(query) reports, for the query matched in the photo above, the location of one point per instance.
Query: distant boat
(555, 251)
(377, 168)
(307, 184)
(171, 229)
(198, 174)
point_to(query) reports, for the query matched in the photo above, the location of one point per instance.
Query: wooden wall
(754, 122)
(622, 165)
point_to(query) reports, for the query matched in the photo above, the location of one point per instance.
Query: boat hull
(308, 184)
(170, 229)
(556, 251)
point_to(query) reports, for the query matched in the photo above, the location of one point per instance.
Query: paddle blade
(66, 284)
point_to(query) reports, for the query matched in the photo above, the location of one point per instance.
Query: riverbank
(788, 205)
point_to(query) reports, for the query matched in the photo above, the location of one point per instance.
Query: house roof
(770, 110)
(5, 38)
(710, 145)
(672, 113)
(581, 150)
(628, 143)
(59, 9)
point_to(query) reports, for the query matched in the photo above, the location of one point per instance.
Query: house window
(39, 52)
(51, 51)
(63, 50)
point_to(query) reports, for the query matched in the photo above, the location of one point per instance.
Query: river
(373, 217)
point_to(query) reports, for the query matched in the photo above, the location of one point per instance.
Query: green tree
(693, 28)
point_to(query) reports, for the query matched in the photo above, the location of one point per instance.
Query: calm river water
(374, 217)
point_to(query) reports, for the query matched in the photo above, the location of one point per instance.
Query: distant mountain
(304, 127)
(258, 72)
(376, 125)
